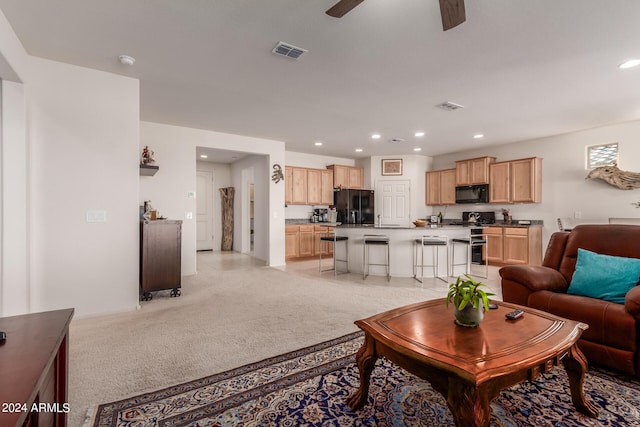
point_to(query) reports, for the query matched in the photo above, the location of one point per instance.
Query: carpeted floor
(235, 311)
(309, 387)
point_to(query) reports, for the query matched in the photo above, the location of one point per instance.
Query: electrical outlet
(188, 215)
(577, 214)
(96, 216)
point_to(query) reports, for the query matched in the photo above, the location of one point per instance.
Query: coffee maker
(320, 215)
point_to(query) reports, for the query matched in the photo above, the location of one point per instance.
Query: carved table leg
(576, 366)
(468, 405)
(366, 360)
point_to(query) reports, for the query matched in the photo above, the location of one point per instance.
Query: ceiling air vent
(288, 50)
(449, 106)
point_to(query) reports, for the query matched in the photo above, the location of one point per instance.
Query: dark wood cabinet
(34, 369)
(160, 257)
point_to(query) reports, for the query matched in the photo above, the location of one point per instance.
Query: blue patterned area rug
(309, 387)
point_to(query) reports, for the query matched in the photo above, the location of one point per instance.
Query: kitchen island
(401, 247)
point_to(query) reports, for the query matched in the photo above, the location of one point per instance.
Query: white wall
(15, 290)
(252, 169)
(169, 189)
(564, 187)
(81, 138)
(83, 131)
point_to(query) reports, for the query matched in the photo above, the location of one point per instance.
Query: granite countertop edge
(445, 224)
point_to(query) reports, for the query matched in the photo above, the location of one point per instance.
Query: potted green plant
(469, 301)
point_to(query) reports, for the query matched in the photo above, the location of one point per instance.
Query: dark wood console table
(33, 369)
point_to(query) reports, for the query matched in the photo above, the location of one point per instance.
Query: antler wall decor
(614, 176)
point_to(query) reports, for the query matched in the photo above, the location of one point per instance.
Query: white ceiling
(522, 68)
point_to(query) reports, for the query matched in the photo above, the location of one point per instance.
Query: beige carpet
(231, 313)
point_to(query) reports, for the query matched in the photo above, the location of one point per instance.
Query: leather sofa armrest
(632, 302)
(518, 281)
(535, 277)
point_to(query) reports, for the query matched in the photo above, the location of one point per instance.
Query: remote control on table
(515, 314)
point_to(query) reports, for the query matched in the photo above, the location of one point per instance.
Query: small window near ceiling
(602, 155)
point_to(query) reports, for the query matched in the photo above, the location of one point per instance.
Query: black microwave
(472, 194)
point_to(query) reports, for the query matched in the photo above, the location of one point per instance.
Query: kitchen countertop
(444, 225)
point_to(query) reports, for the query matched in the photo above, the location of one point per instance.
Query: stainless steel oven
(475, 234)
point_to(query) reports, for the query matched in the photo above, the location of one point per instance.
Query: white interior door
(393, 202)
(204, 210)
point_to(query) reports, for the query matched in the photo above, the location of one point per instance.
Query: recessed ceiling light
(376, 136)
(418, 134)
(126, 59)
(629, 64)
(317, 143)
(478, 136)
(203, 156)
(358, 150)
(417, 149)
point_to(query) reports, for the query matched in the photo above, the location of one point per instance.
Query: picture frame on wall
(392, 167)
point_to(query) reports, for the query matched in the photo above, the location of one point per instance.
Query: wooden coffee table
(470, 367)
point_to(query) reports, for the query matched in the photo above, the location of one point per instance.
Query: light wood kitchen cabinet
(526, 180)
(314, 186)
(473, 171)
(291, 241)
(326, 181)
(440, 187)
(514, 245)
(347, 176)
(494, 248)
(306, 186)
(306, 244)
(356, 177)
(299, 193)
(303, 241)
(499, 174)
(288, 184)
(516, 181)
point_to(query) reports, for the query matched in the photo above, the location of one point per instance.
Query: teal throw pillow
(604, 277)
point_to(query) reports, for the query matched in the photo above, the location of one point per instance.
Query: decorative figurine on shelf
(147, 156)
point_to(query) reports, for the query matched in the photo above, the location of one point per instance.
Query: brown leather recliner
(612, 340)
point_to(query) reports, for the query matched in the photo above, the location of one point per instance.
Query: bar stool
(474, 241)
(377, 240)
(435, 243)
(332, 238)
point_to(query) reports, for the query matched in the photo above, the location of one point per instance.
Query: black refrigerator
(354, 206)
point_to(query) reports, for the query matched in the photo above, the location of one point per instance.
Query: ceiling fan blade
(452, 12)
(341, 8)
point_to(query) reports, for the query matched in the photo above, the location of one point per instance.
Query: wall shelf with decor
(148, 170)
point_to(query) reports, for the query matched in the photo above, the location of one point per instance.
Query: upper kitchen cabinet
(473, 171)
(440, 187)
(305, 186)
(319, 187)
(327, 187)
(347, 176)
(516, 181)
(288, 184)
(295, 190)
(314, 187)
